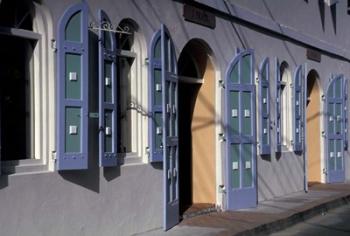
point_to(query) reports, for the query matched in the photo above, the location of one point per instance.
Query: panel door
(335, 130)
(170, 130)
(241, 133)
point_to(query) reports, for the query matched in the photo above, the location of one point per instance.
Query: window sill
(286, 149)
(26, 166)
(130, 158)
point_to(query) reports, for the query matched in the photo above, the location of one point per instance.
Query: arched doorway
(313, 124)
(196, 128)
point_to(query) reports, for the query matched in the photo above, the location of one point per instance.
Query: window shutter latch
(93, 115)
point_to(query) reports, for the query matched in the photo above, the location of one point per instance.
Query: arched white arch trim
(43, 87)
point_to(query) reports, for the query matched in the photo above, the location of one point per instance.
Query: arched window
(286, 118)
(132, 100)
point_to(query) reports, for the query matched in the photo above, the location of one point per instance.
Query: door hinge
(222, 137)
(53, 155)
(222, 189)
(221, 83)
(53, 45)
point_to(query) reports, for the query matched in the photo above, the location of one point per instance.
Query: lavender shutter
(298, 109)
(335, 130)
(240, 123)
(107, 94)
(345, 114)
(155, 100)
(278, 107)
(264, 105)
(170, 131)
(72, 89)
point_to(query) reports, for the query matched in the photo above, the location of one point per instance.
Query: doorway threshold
(198, 209)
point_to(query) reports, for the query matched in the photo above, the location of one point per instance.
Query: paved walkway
(333, 222)
(268, 217)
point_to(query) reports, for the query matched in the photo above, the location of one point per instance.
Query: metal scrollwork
(107, 26)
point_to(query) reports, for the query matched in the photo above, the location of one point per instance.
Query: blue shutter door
(335, 130)
(264, 106)
(170, 130)
(298, 109)
(155, 100)
(240, 115)
(72, 89)
(345, 114)
(107, 94)
(278, 107)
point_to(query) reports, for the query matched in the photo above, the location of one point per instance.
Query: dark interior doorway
(186, 101)
(196, 130)
(15, 98)
(186, 105)
(15, 81)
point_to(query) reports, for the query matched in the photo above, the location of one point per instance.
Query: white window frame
(138, 105)
(42, 95)
(286, 107)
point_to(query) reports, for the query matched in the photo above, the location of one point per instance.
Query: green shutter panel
(72, 89)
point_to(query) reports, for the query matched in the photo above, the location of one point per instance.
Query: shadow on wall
(321, 7)
(157, 165)
(266, 157)
(275, 185)
(3, 181)
(334, 17)
(110, 173)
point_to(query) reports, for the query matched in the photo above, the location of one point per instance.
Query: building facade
(117, 116)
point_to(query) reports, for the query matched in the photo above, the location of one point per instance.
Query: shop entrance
(196, 101)
(313, 124)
